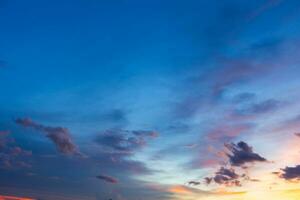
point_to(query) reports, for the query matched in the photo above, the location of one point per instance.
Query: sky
(143, 100)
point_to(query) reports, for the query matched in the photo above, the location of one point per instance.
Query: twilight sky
(143, 100)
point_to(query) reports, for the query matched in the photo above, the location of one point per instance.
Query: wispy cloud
(291, 173)
(60, 136)
(11, 155)
(107, 178)
(124, 141)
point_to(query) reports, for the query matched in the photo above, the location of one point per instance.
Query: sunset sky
(150, 99)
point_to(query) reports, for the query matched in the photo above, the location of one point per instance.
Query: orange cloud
(178, 189)
(13, 198)
(230, 193)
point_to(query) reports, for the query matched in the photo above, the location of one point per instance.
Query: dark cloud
(12, 155)
(108, 179)
(117, 147)
(208, 180)
(254, 180)
(230, 173)
(291, 173)
(241, 154)
(145, 133)
(124, 141)
(60, 136)
(234, 172)
(225, 176)
(195, 183)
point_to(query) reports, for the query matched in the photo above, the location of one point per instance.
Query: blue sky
(146, 100)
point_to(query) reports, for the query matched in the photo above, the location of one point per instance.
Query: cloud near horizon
(239, 156)
(12, 156)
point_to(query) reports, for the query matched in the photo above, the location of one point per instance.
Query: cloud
(255, 109)
(179, 189)
(208, 150)
(241, 154)
(60, 136)
(12, 155)
(264, 106)
(115, 148)
(13, 198)
(145, 133)
(225, 176)
(291, 173)
(225, 131)
(124, 141)
(194, 183)
(108, 179)
(208, 180)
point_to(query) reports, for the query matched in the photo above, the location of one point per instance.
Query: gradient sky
(143, 100)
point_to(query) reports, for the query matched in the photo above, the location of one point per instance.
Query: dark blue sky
(131, 99)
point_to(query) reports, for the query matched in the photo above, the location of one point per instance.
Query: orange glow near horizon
(179, 190)
(13, 198)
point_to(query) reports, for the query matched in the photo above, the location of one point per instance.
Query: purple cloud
(265, 106)
(60, 136)
(291, 173)
(225, 176)
(124, 141)
(208, 180)
(108, 179)
(241, 154)
(117, 146)
(12, 155)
